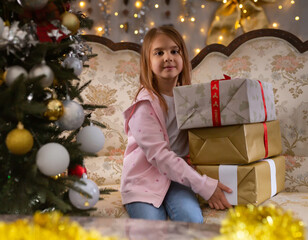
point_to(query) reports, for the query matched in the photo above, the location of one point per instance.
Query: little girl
(157, 182)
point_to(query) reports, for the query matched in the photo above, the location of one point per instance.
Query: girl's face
(165, 59)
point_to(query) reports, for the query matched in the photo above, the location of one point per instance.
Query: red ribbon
(264, 123)
(216, 101)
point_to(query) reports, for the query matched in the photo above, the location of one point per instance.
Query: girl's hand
(218, 199)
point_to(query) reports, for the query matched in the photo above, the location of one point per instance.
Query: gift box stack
(234, 136)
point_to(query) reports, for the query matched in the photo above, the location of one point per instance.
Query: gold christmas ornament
(54, 110)
(70, 21)
(234, 14)
(19, 141)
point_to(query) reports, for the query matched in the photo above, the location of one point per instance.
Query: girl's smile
(166, 62)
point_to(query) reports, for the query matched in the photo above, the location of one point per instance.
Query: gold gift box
(253, 180)
(237, 144)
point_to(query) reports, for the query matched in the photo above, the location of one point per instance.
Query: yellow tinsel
(51, 226)
(260, 223)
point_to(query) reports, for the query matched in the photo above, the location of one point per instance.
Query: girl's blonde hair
(147, 79)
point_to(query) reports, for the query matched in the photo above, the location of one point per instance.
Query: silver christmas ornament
(52, 159)
(42, 69)
(81, 201)
(13, 72)
(33, 4)
(73, 116)
(91, 138)
(73, 63)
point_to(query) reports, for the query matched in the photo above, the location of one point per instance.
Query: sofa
(269, 55)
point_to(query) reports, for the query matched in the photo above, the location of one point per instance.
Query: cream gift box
(237, 144)
(239, 100)
(251, 183)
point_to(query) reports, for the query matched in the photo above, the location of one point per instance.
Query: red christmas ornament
(77, 170)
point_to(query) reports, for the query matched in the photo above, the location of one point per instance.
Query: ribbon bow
(233, 14)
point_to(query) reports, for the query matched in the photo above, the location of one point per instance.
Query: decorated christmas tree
(44, 125)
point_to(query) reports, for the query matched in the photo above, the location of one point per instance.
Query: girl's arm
(152, 139)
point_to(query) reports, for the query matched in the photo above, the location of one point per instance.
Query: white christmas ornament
(1, 26)
(33, 4)
(13, 72)
(52, 159)
(91, 138)
(74, 63)
(42, 69)
(73, 116)
(80, 200)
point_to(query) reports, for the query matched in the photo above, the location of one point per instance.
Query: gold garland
(233, 14)
(242, 223)
(260, 223)
(51, 226)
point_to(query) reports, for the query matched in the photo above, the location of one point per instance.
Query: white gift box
(239, 100)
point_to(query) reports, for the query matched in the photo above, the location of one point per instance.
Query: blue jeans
(180, 204)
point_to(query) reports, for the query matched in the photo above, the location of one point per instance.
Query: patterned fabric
(114, 82)
(114, 78)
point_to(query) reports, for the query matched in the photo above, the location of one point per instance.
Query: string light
(197, 50)
(275, 25)
(138, 4)
(238, 25)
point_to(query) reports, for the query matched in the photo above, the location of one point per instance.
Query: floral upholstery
(114, 76)
(114, 81)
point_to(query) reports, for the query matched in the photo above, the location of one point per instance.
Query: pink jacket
(149, 165)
